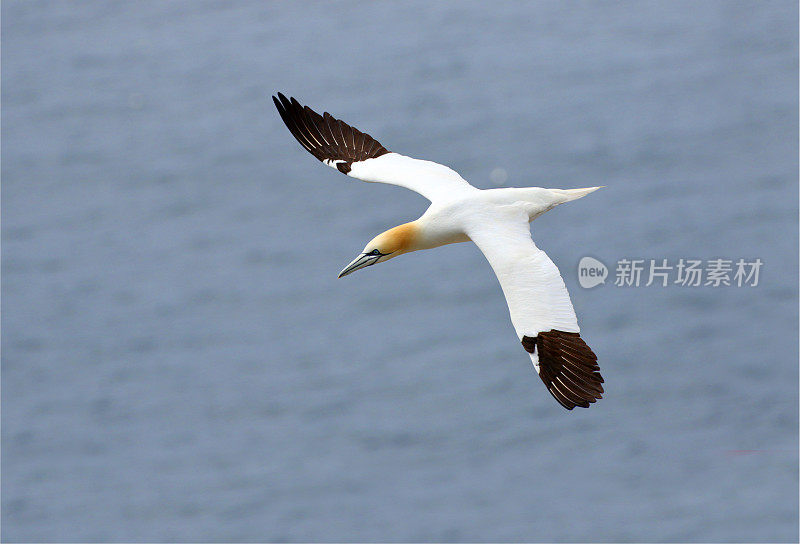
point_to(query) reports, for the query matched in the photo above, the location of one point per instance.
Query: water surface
(180, 362)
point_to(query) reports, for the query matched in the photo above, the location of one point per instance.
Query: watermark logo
(663, 273)
(591, 272)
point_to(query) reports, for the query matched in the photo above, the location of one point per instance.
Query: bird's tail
(538, 200)
(574, 194)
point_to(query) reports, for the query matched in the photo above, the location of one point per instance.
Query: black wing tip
(282, 103)
(278, 98)
(567, 366)
(316, 134)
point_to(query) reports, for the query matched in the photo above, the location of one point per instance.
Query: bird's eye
(376, 252)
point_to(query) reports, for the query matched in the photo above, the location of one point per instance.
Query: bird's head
(385, 246)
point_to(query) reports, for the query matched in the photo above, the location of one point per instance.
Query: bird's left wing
(359, 155)
(540, 308)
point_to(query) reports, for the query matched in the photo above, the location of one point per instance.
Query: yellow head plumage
(387, 245)
(397, 240)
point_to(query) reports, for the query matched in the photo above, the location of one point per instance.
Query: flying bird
(496, 220)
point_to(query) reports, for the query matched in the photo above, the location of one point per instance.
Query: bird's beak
(365, 259)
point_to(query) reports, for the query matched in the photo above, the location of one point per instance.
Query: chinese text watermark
(663, 272)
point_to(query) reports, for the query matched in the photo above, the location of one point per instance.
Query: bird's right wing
(359, 155)
(540, 308)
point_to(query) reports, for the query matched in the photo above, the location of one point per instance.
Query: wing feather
(540, 308)
(535, 292)
(361, 156)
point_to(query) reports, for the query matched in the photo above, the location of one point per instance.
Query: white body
(496, 220)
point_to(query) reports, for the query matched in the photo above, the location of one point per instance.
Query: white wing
(540, 308)
(432, 180)
(359, 155)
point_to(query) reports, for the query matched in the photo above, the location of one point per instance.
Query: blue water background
(180, 363)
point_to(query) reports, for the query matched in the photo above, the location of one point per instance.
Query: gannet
(496, 220)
